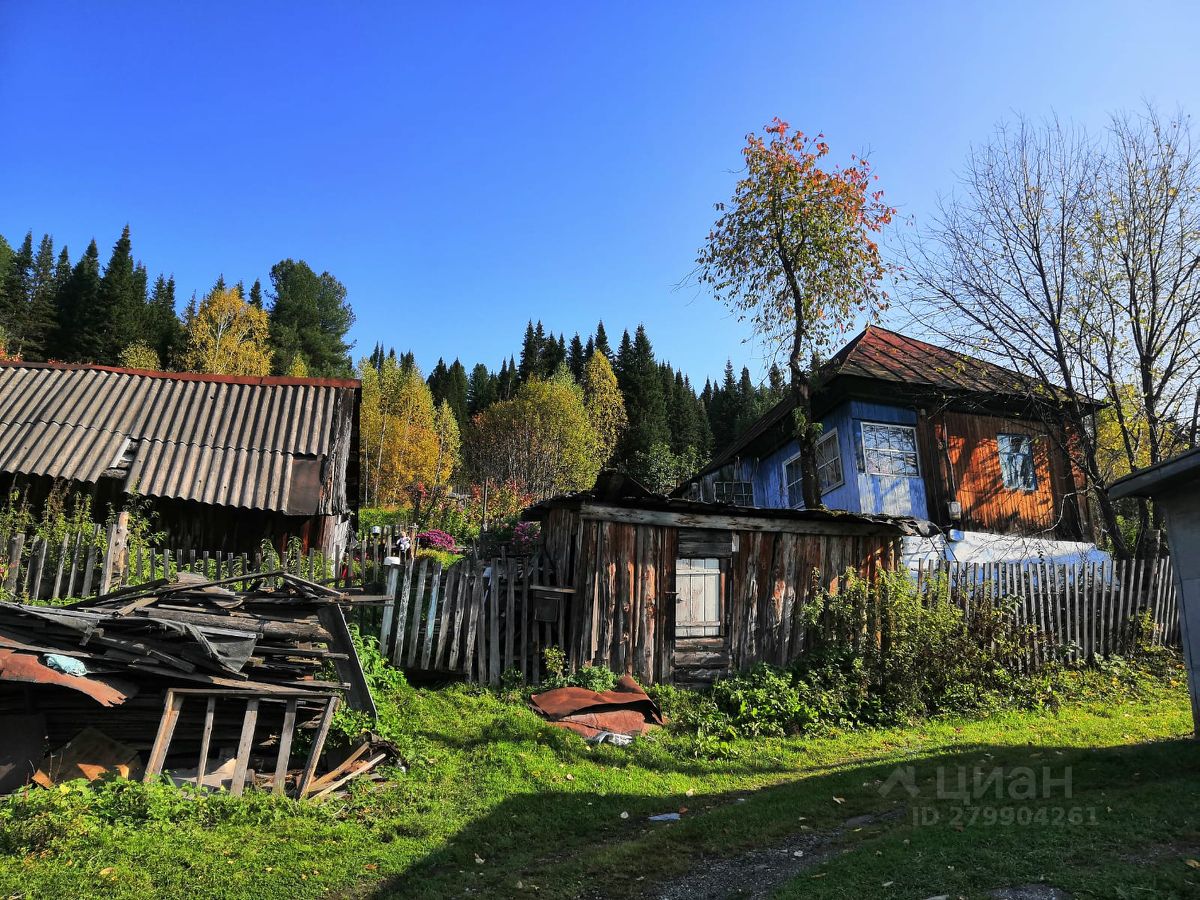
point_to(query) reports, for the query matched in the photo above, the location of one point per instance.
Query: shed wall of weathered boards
(622, 612)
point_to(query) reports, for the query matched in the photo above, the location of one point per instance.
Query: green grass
(494, 798)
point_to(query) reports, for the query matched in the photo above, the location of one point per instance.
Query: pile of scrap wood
(624, 712)
(188, 677)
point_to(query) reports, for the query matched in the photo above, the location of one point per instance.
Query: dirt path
(759, 872)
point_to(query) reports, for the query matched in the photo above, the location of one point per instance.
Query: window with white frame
(890, 449)
(1016, 461)
(829, 469)
(794, 478)
(739, 493)
(829, 461)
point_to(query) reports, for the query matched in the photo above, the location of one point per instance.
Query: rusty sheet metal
(617, 721)
(214, 439)
(26, 667)
(624, 710)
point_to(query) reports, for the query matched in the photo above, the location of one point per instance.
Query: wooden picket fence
(1082, 610)
(481, 618)
(475, 618)
(84, 564)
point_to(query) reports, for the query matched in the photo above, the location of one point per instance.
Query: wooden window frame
(1030, 489)
(916, 452)
(749, 487)
(830, 435)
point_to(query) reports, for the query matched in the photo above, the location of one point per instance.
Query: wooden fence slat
(38, 567)
(402, 612)
(473, 611)
(418, 601)
(443, 635)
(431, 614)
(510, 604)
(391, 588)
(493, 639)
(461, 606)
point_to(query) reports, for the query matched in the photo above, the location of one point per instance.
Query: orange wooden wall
(987, 505)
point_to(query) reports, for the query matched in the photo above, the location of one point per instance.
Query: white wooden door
(698, 586)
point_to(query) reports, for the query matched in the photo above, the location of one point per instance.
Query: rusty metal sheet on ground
(624, 710)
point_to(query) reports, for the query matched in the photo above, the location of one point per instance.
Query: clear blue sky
(465, 169)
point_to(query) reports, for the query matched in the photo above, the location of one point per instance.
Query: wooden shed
(674, 590)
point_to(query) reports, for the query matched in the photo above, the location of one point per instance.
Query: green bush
(763, 701)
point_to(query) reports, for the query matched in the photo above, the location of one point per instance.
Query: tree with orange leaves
(796, 252)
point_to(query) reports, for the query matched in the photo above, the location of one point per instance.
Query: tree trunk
(806, 439)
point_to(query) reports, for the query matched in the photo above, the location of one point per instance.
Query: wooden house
(912, 429)
(670, 589)
(224, 461)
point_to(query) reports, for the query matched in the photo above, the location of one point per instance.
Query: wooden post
(493, 634)
(113, 567)
(285, 747)
(12, 577)
(172, 704)
(389, 605)
(210, 712)
(318, 744)
(245, 742)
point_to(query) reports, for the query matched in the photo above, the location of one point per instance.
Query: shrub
(435, 539)
(525, 538)
(445, 557)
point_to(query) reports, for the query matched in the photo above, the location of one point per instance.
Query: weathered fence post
(12, 577)
(392, 587)
(113, 568)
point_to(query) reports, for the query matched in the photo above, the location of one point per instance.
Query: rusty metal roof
(880, 355)
(221, 440)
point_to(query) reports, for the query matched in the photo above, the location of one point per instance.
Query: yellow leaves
(140, 355)
(405, 442)
(604, 403)
(228, 336)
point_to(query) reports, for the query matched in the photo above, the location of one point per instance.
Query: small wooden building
(225, 461)
(674, 590)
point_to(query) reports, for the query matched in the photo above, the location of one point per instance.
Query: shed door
(698, 586)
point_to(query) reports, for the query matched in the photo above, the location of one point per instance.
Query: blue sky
(465, 168)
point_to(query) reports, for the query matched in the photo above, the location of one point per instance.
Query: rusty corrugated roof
(219, 440)
(882, 355)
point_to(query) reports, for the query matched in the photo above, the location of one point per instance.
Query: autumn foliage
(796, 252)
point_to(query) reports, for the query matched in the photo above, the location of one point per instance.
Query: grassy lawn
(498, 804)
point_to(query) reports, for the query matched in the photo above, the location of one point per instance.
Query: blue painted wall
(860, 491)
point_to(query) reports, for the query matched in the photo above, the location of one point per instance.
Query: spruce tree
(256, 295)
(18, 293)
(43, 313)
(481, 389)
(164, 332)
(601, 341)
(122, 302)
(531, 352)
(82, 330)
(309, 317)
(642, 386)
(456, 391)
(576, 358)
(554, 354)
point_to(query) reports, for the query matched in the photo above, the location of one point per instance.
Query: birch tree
(228, 336)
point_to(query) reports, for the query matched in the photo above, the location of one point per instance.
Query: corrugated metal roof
(214, 439)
